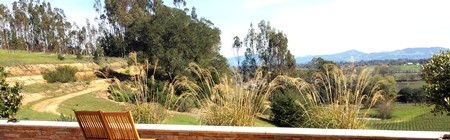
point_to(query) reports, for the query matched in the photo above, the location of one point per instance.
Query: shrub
(96, 57)
(61, 57)
(121, 93)
(79, 56)
(385, 107)
(65, 118)
(410, 95)
(63, 74)
(186, 104)
(10, 99)
(286, 112)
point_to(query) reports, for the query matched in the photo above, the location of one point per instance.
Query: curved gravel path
(51, 105)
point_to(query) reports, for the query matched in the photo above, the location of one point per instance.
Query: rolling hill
(408, 53)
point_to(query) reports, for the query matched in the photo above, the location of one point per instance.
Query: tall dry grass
(335, 99)
(142, 100)
(223, 100)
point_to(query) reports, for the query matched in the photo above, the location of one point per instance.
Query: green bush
(186, 104)
(286, 112)
(412, 95)
(61, 57)
(64, 118)
(121, 93)
(10, 99)
(63, 74)
(79, 56)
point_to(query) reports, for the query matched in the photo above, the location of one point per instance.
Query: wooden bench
(107, 125)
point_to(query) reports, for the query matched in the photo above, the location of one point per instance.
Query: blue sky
(317, 26)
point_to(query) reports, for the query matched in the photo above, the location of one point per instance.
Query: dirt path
(51, 105)
(26, 80)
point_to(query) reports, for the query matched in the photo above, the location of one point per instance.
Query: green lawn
(20, 57)
(415, 118)
(412, 84)
(405, 68)
(29, 114)
(182, 119)
(88, 102)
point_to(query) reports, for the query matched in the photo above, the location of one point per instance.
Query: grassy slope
(88, 102)
(22, 58)
(411, 117)
(405, 67)
(413, 84)
(19, 57)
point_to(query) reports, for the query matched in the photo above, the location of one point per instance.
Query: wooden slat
(91, 124)
(120, 125)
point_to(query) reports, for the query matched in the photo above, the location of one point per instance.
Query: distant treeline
(38, 27)
(381, 62)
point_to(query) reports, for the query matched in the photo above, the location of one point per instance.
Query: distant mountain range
(347, 56)
(408, 53)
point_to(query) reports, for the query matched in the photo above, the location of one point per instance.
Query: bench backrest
(91, 123)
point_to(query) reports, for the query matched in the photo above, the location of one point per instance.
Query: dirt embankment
(37, 69)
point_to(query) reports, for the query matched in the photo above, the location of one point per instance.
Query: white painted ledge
(262, 130)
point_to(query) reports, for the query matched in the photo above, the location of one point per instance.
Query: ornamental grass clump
(335, 99)
(141, 98)
(224, 101)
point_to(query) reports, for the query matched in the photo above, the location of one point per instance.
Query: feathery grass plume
(224, 101)
(335, 99)
(142, 100)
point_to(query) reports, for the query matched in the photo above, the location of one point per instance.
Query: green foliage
(171, 39)
(63, 74)
(186, 104)
(61, 57)
(66, 118)
(269, 46)
(316, 65)
(10, 99)
(286, 111)
(121, 93)
(412, 95)
(437, 74)
(79, 56)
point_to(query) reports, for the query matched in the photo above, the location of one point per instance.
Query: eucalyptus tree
(4, 22)
(266, 46)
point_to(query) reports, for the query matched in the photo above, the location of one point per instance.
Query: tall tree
(174, 39)
(4, 22)
(437, 74)
(270, 47)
